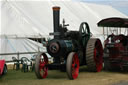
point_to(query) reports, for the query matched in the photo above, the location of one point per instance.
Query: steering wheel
(84, 33)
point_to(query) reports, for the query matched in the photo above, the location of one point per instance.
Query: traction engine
(70, 50)
(116, 43)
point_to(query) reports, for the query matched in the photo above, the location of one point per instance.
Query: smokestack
(56, 20)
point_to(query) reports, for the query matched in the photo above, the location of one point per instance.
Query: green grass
(55, 77)
(14, 77)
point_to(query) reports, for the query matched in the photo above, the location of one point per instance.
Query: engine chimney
(56, 21)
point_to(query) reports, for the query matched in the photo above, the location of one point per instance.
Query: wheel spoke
(83, 30)
(40, 66)
(75, 70)
(73, 65)
(83, 35)
(45, 69)
(72, 68)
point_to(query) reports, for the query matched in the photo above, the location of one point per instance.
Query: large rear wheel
(72, 65)
(94, 55)
(41, 70)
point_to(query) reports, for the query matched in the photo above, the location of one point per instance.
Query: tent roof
(34, 18)
(114, 22)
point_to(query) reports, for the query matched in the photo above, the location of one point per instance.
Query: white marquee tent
(23, 19)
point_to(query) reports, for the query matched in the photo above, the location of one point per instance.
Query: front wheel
(41, 70)
(72, 65)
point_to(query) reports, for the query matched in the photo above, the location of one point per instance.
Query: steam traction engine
(116, 43)
(70, 50)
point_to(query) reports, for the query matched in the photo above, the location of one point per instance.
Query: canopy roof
(114, 22)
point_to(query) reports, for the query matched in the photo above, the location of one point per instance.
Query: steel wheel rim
(75, 66)
(42, 66)
(98, 54)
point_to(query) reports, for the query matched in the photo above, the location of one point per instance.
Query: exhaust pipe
(56, 21)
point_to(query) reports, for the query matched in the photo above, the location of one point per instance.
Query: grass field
(55, 77)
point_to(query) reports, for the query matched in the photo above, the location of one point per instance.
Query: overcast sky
(121, 5)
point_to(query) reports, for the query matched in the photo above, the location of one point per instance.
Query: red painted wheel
(41, 70)
(72, 65)
(98, 55)
(94, 55)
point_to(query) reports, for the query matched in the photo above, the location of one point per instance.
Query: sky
(121, 5)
